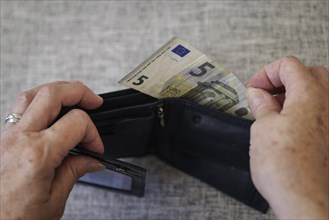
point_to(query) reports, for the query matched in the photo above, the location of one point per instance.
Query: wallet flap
(210, 145)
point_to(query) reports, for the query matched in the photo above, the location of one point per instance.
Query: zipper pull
(161, 116)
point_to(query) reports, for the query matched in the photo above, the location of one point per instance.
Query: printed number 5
(140, 80)
(203, 69)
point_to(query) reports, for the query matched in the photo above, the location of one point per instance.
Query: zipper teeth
(160, 111)
(161, 115)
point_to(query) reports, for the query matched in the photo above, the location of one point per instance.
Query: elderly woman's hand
(289, 139)
(36, 176)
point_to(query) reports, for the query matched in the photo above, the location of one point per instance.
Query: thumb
(262, 103)
(71, 169)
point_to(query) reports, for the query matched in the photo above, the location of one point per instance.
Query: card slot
(127, 131)
(118, 93)
(132, 111)
(124, 101)
(127, 137)
(107, 124)
(135, 99)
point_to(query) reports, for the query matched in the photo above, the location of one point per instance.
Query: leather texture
(210, 145)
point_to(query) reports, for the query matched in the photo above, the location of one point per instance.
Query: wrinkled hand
(289, 139)
(36, 175)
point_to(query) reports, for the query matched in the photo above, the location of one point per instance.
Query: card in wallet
(210, 145)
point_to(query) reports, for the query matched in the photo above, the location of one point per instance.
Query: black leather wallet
(210, 145)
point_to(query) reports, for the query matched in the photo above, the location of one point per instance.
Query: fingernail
(95, 166)
(255, 98)
(100, 98)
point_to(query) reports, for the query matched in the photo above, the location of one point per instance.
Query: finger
(267, 78)
(321, 74)
(22, 102)
(71, 169)
(288, 72)
(49, 100)
(72, 129)
(281, 73)
(24, 99)
(262, 103)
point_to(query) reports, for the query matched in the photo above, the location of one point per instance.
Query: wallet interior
(205, 143)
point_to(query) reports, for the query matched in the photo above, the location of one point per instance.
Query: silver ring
(13, 118)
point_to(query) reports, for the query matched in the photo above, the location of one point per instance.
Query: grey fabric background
(98, 42)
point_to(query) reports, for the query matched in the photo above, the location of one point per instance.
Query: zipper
(161, 115)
